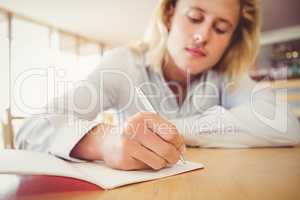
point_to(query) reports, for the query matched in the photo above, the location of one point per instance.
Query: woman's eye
(195, 19)
(220, 31)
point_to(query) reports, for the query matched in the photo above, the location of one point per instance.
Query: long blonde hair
(239, 56)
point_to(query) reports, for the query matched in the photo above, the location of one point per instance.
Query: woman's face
(200, 31)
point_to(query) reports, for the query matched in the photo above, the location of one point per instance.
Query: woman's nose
(203, 34)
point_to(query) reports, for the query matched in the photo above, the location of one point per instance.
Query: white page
(111, 178)
(34, 163)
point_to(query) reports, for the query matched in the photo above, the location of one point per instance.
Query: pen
(148, 106)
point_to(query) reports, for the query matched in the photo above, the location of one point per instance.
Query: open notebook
(35, 163)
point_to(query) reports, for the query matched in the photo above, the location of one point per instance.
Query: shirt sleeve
(252, 115)
(68, 118)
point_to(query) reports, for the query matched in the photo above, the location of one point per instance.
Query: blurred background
(42, 39)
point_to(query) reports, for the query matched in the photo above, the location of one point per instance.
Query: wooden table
(272, 173)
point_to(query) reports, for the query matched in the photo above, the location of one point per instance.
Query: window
(67, 57)
(30, 60)
(73, 58)
(4, 62)
(89, 57)
(4, 70)
(36, 52)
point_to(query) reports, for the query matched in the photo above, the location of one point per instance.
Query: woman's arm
(248, 117)
(137, 147)
(67, 128)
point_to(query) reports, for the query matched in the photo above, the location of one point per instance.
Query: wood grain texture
(272, 173)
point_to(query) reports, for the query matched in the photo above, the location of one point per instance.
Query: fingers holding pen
(137, 129)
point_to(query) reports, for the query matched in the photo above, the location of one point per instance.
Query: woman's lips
(196, 52)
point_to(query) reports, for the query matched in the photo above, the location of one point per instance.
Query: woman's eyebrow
(197, 8)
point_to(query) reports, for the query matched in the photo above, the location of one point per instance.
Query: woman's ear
(170, 10)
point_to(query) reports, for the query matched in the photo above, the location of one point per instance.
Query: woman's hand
(147, 141)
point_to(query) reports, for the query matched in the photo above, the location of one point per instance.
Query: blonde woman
(192, 66)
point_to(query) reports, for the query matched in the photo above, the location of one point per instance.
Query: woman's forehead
(227, 9)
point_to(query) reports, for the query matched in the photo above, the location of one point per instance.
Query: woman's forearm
(237, 128)
(89, 147)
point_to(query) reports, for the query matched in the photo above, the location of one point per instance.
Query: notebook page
(35, 163)
(109, 178)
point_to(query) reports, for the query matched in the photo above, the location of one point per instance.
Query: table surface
(265, 173)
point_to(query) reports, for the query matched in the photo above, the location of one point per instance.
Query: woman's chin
(184, 71)
(191, 71)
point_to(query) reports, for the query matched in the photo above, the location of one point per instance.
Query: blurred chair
(8, 129)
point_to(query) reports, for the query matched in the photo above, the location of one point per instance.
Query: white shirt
(211, 115)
